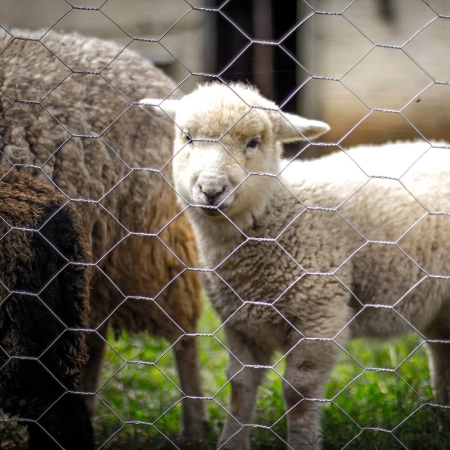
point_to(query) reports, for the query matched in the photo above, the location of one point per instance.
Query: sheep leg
(439, 358)
(244, 383)
(92, 372)
(194, 415)
(307, 368)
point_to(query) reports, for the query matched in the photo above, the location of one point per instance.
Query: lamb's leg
(307, 368)
(439, 357)
(195, 418)
(92, 371)
(244, 383)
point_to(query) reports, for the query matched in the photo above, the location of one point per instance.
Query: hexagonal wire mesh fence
(351, 246)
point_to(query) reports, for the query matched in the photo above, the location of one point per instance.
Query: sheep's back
(81, 130)
(397, 199)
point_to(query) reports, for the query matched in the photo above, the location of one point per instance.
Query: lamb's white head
(227, 146)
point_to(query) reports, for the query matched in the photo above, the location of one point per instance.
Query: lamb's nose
(212, 194)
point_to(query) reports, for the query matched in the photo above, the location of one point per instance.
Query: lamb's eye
(253, 143)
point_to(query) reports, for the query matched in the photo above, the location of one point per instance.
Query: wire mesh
(70, 115)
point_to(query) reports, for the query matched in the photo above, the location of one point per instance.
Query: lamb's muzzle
(213, 191)
(211, 194)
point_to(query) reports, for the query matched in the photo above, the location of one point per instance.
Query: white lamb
(301, 257)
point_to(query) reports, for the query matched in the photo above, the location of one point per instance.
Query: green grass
(367, 408)
(149, 393)
(383, 409)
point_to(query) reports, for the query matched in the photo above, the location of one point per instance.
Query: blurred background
(375, 70)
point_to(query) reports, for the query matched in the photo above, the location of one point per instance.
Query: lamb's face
(226, 149)
(218, 153)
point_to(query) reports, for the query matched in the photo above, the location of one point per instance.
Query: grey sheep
(301, 256)
(43, 313)
(67, 116)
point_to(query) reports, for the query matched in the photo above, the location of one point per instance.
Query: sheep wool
(302, 255)
(43, 293)
(68, 117)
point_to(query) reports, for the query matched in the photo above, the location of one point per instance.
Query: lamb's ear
(296, 128)
(163, 108)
